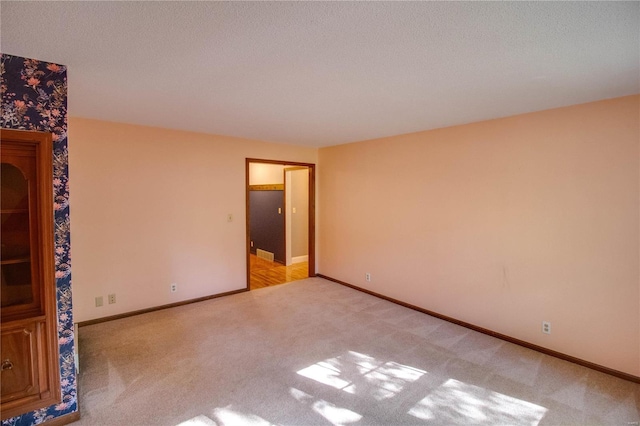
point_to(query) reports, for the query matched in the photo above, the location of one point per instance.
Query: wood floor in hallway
(265, 273)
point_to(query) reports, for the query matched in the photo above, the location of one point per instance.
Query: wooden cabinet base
(27, 384)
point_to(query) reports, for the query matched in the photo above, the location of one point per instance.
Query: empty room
(320, 213)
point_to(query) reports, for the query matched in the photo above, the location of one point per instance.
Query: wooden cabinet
(20, 361)
(30, 377)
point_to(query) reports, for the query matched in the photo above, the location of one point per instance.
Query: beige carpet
(313, 352)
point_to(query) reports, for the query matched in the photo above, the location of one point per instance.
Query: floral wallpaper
(34, 97)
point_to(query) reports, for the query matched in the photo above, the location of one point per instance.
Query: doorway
(280, 228)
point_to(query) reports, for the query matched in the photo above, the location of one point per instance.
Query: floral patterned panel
(34, 97)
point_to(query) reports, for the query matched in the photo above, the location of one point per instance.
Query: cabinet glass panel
(15, 253)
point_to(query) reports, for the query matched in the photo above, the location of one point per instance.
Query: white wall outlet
(112, 299)
(367, 276)
(98, 301)
(174, 287)
(546, 327)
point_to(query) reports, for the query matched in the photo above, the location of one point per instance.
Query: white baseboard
(299, 259)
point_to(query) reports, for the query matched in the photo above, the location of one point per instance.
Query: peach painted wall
(265, 174)
(149, 208)
(502, 224)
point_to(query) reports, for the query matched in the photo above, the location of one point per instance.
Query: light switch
(279, 210)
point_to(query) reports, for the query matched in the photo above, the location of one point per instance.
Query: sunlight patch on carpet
(325, 373)
(457, 402)
(230, 417)
(334, 414)
(200, 420)
(357, 373)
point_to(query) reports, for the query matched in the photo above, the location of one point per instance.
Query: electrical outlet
(367, 276)
(112, 299)
(98, 301)
(174, 288)
(546, 327)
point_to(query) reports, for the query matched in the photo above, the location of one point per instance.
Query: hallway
(265, 273)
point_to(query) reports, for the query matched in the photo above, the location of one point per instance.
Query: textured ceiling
(325, 73)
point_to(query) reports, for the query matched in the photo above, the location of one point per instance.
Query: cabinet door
(19, 362)
(19, 263)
